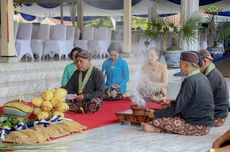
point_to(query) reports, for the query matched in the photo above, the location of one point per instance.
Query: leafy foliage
(186, 30)
(155, 27)
(223, 31)
(105, 21)
(220, 31)
(139, 23)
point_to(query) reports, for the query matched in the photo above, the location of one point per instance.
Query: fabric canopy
(85, 18)
(227, 13)
(28, 4)
(103, 4)
(110, 4)
(48, 5)
(44, 5)
(201, 3)
(28, 17)
(140, 7)
(161, 15)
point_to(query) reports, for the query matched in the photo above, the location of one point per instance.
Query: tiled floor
(126, 138)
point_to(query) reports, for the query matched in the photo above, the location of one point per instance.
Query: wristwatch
(212, 150)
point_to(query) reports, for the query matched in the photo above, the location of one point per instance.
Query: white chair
(77, 34)
(117, 39)
(57, 42)
(202, 36)
(100, 44)
(70, 33)
(88, 34)
(35, 30)
(39, 35)
(15, 29)
(203, 45)
(22, 43)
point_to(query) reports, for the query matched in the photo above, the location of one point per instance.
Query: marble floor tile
(125, 138)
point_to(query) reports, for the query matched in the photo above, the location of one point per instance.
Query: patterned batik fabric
(112, 94)
(178, 125)
(88, 106)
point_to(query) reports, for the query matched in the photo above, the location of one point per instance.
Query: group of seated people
(202, 101)
(86, 81)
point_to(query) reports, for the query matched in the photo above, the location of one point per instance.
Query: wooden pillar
(61, 12)
(73, 9)
(187, 9)
(8, 51)
(80, 11)
(127, 26)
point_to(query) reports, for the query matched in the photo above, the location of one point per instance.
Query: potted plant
(217, 32)
(177, 33)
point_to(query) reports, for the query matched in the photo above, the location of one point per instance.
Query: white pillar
(7, 30)
(188, 8)
(127, 26)
(80, 11)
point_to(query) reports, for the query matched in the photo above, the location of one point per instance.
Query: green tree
(102, 22)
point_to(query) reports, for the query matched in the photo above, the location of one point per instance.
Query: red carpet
(106, 115)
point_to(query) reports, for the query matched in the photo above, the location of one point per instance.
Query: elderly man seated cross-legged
(219, 87)
(192, 113)
(87, 84)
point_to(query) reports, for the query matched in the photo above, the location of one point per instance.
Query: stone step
(12, 78)
(32, 78)
(28, 88)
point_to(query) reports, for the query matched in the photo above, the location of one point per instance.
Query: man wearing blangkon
(87, 83)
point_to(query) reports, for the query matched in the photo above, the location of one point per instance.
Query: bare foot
(219, 122)
(150, 128)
